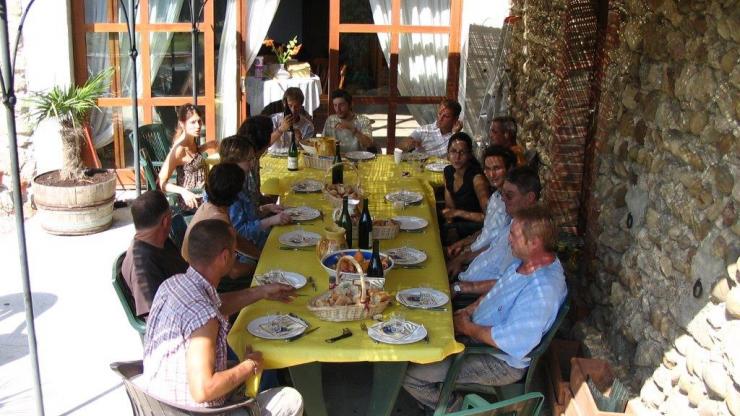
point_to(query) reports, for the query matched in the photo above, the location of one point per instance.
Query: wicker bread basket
(350, 188)
(317, 162)
(364, 308)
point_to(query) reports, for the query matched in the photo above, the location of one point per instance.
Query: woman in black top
(466, 190)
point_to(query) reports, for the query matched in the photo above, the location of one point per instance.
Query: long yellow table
(378, 178)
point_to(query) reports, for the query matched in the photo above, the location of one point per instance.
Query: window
(164, 66)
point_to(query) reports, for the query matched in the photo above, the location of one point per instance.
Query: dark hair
(505, 154)
(526, 180)
(538, 222)
(340, 93)
(258, 129)
(452, 105)
(509, 125)
(147, 209)
(184, 112)
(292, 93)
(465, 138)
(235, 149)
(224, 183)
(207, 239)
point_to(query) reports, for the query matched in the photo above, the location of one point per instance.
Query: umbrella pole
(9, 100)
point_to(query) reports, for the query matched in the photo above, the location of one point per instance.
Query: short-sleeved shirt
(521, 308)
(183, 304)
(207, 211)
(145, 267)
(493, 262)
(304, 125)
(494, 223)
(465, 197)
(433, 142)
(347, 141)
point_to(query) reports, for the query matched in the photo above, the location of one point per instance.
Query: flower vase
(282, 73)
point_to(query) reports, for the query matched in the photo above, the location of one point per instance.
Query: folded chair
(144, 404)
(501, 392)
(528, 404)
(126, 298)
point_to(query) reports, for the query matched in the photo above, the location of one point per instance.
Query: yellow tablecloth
(378, 178)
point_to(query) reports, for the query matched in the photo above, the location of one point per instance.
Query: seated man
(294, 117)
(503, 133)
(185, 343)
(513, 316)
(521, 190)
(152, 257)
(224, 183)
(432, 138)
(351, 130)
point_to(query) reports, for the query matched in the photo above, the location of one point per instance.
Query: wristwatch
(456, 289)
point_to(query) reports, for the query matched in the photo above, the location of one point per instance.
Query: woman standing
(466, 190)
(185, 159)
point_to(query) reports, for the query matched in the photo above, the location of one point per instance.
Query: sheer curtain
(422, 60)
(226, 78)
(260, 15)
(97, 46)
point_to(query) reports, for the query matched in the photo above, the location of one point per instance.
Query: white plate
(359, 155)
(415, 156)
(422, 297)
(407, 197)
(276, 327)
(299, 239)
(302, 213)
(280, 152)
(397, 332)
(307, 186)
(437, 166)
(406, 255)
(296, 280)
(411, 223)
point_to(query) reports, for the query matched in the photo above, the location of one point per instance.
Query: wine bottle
(345, 221)
(375, 269)
(337, 171)
(364, 236)
(292, 152)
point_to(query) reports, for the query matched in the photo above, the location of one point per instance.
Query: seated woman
(466, 191)
(185, 159)
(259, 129)
(294, 117)
(245, 214)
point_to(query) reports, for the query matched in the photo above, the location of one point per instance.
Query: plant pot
(76, 209)
(282, 73)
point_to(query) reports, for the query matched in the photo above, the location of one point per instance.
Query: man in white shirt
(353, 131)
(432, 138)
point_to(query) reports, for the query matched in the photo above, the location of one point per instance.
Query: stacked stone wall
(662, 227)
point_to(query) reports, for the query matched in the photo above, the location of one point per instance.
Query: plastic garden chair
(144, 404)
(177, 229)
(151, 178)
(528, 404)
(154, 138)
(501, 392)
(126, 298)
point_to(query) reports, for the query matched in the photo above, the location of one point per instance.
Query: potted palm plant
(73, 200)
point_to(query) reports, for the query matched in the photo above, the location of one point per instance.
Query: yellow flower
(284, 52)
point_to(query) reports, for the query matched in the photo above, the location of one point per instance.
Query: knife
(295, 337)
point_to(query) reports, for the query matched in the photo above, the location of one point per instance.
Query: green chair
(501, 392)
(126, 298)
(153, 138)
(151, 178)
(177, 229)
(528, 404)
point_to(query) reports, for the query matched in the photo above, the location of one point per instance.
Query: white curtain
(260, 16)
(97, 11)
(226, 78)
(422, 58)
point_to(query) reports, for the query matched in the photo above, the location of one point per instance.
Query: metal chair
(501, 392)
(528, 404)
(144, 404)
(154, 138)
(126, 298)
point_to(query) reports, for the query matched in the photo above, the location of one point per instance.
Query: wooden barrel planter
(75, 209)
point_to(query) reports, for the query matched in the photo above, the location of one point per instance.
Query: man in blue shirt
(513, 316)
(521, 190)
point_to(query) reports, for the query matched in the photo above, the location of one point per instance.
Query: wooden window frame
(146, 103)
(393, 99)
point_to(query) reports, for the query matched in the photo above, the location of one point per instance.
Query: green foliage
(72, 104)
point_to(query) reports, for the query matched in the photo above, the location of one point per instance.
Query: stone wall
(662, 221)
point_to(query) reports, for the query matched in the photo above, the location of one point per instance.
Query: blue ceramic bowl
(329, 261)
